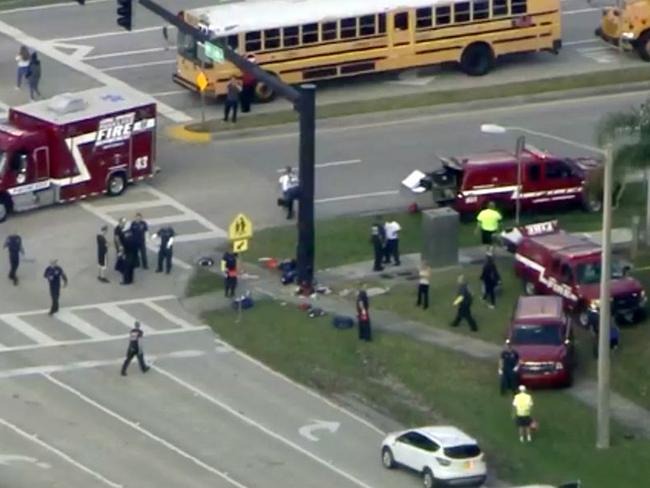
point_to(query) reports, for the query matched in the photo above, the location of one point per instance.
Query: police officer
(378, 240)
(166, 250)
(490, 278)
(14, 244)
(102, 254)
(54, 274)
(508, 368)
(118, 236)
(463, 302)
(130, 255)
(229, 268)
(139, 228)
(135, 350)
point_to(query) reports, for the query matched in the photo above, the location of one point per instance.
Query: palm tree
(630, 130)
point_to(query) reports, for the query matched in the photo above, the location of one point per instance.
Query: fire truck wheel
(643, 46)
(4, 211)
(593, 204)
(529, 288)
(477, 59)
(116, 184)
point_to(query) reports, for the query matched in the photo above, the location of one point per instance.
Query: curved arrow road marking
(6, 459)
(306, 430)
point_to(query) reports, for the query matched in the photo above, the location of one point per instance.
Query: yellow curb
(180, 133)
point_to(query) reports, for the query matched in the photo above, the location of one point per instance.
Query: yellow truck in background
(627, 25)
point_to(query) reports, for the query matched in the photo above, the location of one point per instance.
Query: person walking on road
(289, 185)
(363, 315)
(391, 250)
(166, 249)
(54, 274)
(423, 286)
(378, 239)
(135, 350)
(463, 302)
(522, 406)
(140, 228)
(490, 278)
(229, 268)
(102, 254)
(22, 59)
(233, 90)
(508, 369)
(488, 222)
(14, 244)
(34, 76)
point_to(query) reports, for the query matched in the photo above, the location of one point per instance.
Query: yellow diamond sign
(201, 81)
(240, 246)
(241, 227)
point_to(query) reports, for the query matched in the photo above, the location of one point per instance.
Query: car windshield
(589, 273)
(464, 451)
(537, 335)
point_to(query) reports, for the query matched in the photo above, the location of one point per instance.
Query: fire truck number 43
(141, 163)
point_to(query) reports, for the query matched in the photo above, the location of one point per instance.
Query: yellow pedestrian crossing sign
(240, 245)
(241, 227)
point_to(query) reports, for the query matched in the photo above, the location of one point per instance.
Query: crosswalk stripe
(80, 324)
(169, 316)
(169, 219)
(198, 236)
(124, 317)
(26, 329)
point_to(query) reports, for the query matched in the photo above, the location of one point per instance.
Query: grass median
(420, 384)
(438, 97)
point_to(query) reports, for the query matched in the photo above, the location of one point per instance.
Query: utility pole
(603, 414)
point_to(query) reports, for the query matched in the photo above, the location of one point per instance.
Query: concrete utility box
(440, 227)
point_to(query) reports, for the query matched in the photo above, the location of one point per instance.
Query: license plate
(469, 464)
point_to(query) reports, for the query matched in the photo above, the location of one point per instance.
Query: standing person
(102, 254)
(130, 255)
(140, 228)
(135, 350)
(463, 302)
(249, 82)
(22, 59)
(166, 249)
(229, 268)
(233, 89)
(508, 369)
(363, 315)
(378, 239)
(34, 76)
(14, 244)
(522, 406)
(488, 222)
(490, 278)
(289, 185)
(54, 274)
(391, 249)
(118, 236)
(423, 286)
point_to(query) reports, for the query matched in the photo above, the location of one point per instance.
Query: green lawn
(420, 384)
(203, 281)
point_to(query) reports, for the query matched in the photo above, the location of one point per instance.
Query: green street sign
(213, 52)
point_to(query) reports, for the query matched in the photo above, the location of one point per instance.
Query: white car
(444, 455)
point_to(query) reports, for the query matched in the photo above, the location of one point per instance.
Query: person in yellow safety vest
(489, 219)
(229, 270)
(522, 406)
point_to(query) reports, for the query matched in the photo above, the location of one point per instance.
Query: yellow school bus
(309, 40)
(628, 26)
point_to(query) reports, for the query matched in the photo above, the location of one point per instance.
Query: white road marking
(253, 423)
(80, 51)
(136, 426)
(580, 11)
(169, 219)
(169, 93)
(583, 41)
(79, 324)
(79, 365)
(338, 163)
(47, 7)
(169, 316)
(413, 81)
(26, 329)
(124, 317)
(35, 439)
(600, 54)
(125, 207)
(199, 236)
(8, 459)
(4, 107)
(139, 65)
(125, 53)
(357, 196)
(108, 34)
(47, 49)
(307, 431)
(88, 306)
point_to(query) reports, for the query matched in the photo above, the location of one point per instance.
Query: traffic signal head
(125, 13)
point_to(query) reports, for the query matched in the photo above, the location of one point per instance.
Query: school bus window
(329, 31)
(443, 15)
(519, 7)
(309, 33)
(499, 7)
(271, 38)
(348, 28)
(233, 41)
(291, 36)
(461, 12)
(423, 17)
(253, 41)
(481, 9)
(402, 21)
(382, 23)
(367, 25)
(186, 46)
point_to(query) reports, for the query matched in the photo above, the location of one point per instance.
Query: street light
(603, 413)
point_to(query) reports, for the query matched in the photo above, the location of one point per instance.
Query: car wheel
(593, 204)
(4, 211)
(477, 59)
(387, 458)
(428, 480)
(643, 46)
(116, 185)
(529, 288)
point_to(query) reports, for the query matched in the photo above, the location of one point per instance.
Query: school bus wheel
(477, 59)
(263, 92)
(643, 46)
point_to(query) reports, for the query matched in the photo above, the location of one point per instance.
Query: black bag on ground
(342, 322)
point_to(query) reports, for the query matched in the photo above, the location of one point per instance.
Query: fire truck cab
(73, 146)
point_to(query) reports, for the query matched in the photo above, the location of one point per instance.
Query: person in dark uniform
(135, 350)
(102, 254)
(130, 257)
(363, 315)
(490, 278)
(14, 244)
(118, 236)
(166, 250)
(54, 274)
(139, 228)
(508, 369)
(229, 268)
(378, 240)
(463, 302)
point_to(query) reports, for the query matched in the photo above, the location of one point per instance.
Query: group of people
(29, 69)
(384, 237)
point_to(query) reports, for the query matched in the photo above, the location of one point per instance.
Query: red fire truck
(73, 146)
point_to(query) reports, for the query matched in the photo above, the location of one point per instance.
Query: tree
(630, 131)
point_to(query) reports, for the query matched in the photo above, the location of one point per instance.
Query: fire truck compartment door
(41, 158)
